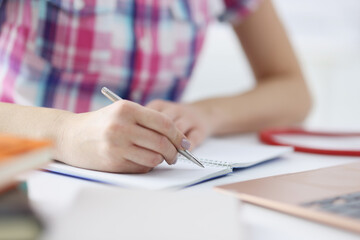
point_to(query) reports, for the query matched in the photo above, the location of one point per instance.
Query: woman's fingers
(187, 119)
(162, 124)
(126, 166)
(144, 157)
(196, 137)
(184, 125)
(175, 112)
(156, 143)
(153, 132)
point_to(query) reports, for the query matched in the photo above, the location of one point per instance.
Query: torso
(60, 53)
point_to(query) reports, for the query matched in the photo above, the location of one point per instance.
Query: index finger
(162, 124)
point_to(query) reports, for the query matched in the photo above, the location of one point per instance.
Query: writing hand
(122, 137)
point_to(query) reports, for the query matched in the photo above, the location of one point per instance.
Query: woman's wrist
(62, 125)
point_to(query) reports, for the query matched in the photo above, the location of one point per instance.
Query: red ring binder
(268, 136)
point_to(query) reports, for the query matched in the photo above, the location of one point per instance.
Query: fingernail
(185, 143)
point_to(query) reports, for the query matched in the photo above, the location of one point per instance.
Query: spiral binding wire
(207, 162)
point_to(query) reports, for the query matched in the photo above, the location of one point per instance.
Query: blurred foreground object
(104, 212)
(17, 220)
(18, 156)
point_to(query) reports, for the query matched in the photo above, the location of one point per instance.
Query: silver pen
(187, 154)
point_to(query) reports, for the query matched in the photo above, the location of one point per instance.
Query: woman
(55, 56)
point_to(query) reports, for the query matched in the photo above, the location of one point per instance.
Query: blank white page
(238, 154)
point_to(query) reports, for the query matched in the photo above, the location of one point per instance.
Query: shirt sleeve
(237, 10)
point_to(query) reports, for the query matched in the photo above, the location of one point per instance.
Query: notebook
(220, 156)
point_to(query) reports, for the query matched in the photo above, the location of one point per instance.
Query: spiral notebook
(220, 157)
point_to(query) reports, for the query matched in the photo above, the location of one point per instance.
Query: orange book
(18, 155)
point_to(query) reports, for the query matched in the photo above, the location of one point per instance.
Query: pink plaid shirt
(59, 53)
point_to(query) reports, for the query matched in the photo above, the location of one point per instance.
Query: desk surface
(52, 194)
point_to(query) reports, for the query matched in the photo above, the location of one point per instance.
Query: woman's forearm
(280, 96)
(122, 137)
(276, 101)
(33, 122)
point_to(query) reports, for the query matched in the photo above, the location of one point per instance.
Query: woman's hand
(122, 137)
(189, 119)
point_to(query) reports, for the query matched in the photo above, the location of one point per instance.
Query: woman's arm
(279, 98)
(122, 137)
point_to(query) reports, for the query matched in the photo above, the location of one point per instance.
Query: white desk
(53, 194)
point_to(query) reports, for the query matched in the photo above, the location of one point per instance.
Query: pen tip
(197, 162)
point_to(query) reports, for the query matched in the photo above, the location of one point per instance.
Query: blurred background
(326, 37)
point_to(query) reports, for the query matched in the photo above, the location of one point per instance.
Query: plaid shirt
(59, 53)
